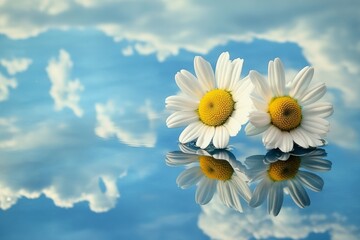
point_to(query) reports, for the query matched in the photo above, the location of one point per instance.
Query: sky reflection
(82, 116)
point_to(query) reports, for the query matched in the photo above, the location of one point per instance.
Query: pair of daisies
(214, 106)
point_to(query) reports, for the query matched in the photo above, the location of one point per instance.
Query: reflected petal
(205, 190)
(298, 193)
(260, 193)
(189, 177)
(275, 198)
(178, 158)
(311, 180)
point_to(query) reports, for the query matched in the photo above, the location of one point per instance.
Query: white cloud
(128, 51)
(64, 91)
(220, 222)
(5, 84)
(132, 127)
(16, 65)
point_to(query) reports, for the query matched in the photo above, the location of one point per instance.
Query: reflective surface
(84, 149)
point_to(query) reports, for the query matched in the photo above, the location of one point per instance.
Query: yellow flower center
(215, 169)
(284, 170)
(285, 113)
(216, 107)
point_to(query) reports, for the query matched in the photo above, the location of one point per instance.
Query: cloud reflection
(220, 222)
(118, 121)
(66, 182)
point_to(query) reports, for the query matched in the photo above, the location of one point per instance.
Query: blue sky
(82, 124)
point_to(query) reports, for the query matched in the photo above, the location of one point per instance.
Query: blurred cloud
(5, 84)
(13, 66)
(132, 125)
(16, 65)
(219, 222)
(64, 91)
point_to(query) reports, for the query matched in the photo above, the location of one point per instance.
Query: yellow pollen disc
(284, 170)
(216, 107)
(215, 169)
(285, 113)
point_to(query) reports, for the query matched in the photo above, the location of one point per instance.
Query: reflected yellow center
(215, 169)
(285, 113)
(284, 170)
(216, 107)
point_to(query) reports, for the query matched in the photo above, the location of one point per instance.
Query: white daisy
(288, 112)
(213, 106)
(212, 171)
(281, 171)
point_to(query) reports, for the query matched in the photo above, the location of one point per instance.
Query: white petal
(221, 137)
(242, 90)
(233, 126)
(301, 82)
(279, 77)
(223, 71)
(251, 130)
(311, 180)
(188, 85)
(191, 132)
(275, 198)
(312, 139)
(259, 103)
(299, 138)
(178, 119)
(205, 190)
(318, 109)
(298, 193)
(260, 193)
(272, 135)
(189, 177)
(205, 73)
(276, 77)
(181, 103)
(259, 119)
(241, 114)
(285, 144)
(312, 95)
(315, 125)
(205, 137)
(261, 86)
(236, 72)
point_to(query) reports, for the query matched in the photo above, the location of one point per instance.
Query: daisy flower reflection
(279, 171)
(288, 112)
(211, 106)
(211, 170)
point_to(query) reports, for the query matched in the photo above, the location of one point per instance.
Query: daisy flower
(211, 106)
(288, 112)
(279, 172)
(212, 171)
